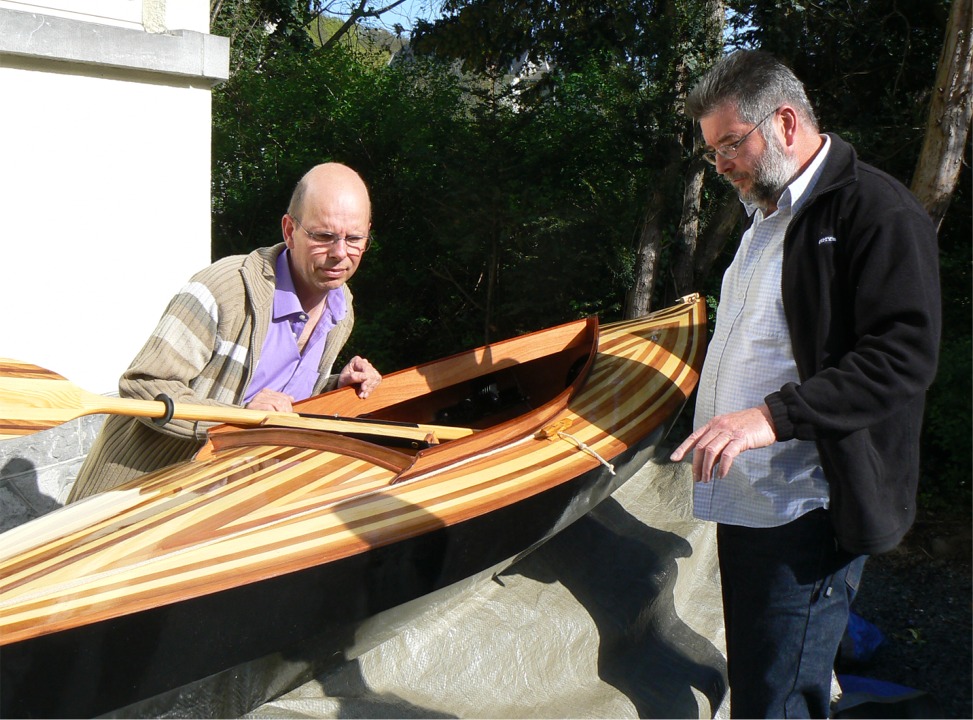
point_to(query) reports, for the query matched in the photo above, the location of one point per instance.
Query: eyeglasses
(729, 152)
(356, 244)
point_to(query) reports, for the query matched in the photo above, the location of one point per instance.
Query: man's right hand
(718, 442)
(271, 400)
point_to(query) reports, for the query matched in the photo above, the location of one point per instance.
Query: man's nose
(339, 248)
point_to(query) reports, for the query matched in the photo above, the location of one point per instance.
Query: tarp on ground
(617, 616)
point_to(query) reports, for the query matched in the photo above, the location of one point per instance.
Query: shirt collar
(800, 189)
(286, 302)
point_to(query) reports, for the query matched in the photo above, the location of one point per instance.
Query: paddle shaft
(34, 399)
(245, 416)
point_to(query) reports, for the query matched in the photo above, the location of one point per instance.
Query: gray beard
(772, 173)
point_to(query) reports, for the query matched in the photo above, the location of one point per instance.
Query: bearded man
(806, 447)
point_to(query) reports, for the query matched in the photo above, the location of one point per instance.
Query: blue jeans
(787, 592)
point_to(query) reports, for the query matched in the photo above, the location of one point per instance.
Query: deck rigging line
(584, 448)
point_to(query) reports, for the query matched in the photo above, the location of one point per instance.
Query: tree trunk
(683, 270)
(639, 299)
(493, 266)
(718, 232)
(950, 111)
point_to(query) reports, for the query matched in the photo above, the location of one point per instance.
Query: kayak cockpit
(496, 393)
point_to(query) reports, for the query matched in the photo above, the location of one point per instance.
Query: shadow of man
(624, 573)
(19, 476)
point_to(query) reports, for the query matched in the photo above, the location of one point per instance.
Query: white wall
(103, 215)
(105, 120)
(104, 182)
(149, 15)
(122, 13)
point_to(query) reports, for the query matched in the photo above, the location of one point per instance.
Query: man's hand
(360, 372)
(723, 438)
(271, 400)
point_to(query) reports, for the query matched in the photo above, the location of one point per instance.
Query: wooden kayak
(275, 538)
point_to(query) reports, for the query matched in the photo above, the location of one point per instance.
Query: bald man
(261, 331)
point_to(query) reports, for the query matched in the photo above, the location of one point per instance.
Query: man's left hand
(360, 372)
(724, 437)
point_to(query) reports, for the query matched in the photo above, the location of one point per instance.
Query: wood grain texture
(261, 503)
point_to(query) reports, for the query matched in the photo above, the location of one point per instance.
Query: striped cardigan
(204, 351)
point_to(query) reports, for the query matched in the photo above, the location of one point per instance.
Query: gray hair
(753, 81)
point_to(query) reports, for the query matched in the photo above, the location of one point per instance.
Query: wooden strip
(526, 424)
(376, 454)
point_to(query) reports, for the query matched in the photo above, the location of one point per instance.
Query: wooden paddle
(34, 399)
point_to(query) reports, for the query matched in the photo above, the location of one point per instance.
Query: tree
(652, 48)
(687, 238)
(261, 29)
(355, 12)
(950, 112)
(258, 29)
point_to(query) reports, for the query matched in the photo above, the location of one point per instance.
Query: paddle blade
(33, 398)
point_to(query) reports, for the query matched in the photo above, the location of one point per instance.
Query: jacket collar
(840, 167)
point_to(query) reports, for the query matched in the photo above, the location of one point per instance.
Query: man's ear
(788, 120)
(287, 228)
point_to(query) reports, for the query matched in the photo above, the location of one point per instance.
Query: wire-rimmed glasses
(356, 244)
(729, 152)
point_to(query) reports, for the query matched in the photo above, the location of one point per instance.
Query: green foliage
(259, 29)
(503, 207)
(947, 431)
(491, 219)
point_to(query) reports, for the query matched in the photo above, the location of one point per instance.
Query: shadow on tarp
(619, 615)
(623, 572)
(869, 698)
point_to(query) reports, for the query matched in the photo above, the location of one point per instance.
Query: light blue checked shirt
(748, 358)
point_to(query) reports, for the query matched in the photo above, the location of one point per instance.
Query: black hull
(120, 663)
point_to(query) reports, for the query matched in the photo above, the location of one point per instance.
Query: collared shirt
(749, 357)
(282, 366)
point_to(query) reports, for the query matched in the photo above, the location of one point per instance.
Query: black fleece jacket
(860, 286)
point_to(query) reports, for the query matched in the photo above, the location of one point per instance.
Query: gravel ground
(920, 596)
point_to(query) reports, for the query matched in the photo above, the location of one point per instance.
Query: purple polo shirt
(281, 366)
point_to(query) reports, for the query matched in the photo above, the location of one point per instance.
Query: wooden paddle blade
(33, 398)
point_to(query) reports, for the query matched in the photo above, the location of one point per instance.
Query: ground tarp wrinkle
(617, 616)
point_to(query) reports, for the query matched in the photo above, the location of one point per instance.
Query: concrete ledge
(183, 53)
